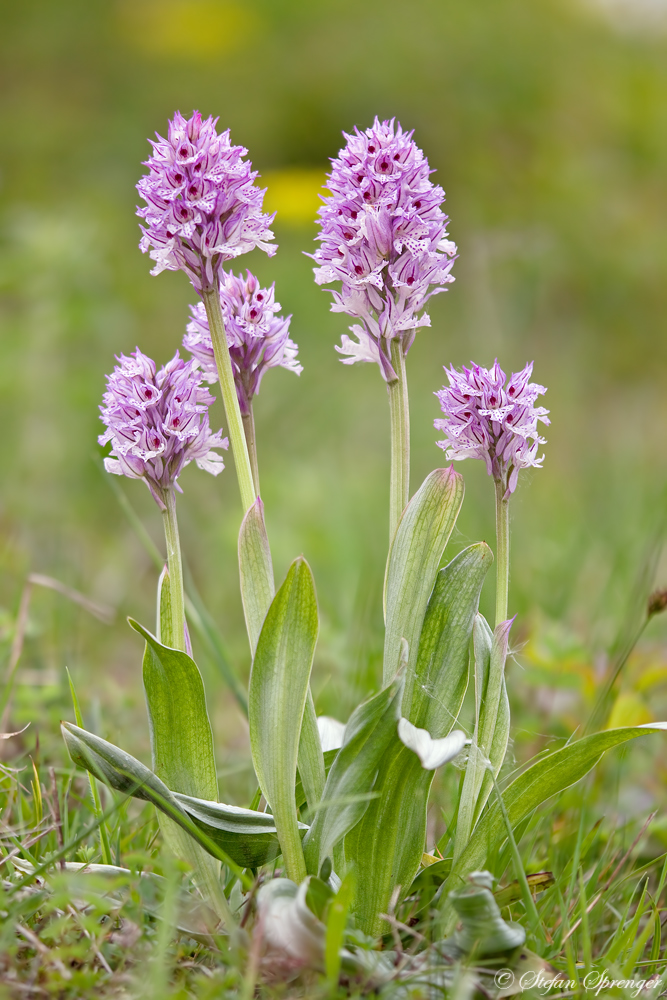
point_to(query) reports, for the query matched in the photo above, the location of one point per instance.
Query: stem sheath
(251, 442)
(175, 569)
(399, 412)
(211, 298)
(502, 552)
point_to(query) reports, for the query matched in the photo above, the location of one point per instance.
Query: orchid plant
(343, 834)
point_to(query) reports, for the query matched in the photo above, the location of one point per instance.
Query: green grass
(75, 935)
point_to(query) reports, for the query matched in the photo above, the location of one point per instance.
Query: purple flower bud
(202, 207)
(256, 336)
(384, 237)
(157, 423)
(484, 418)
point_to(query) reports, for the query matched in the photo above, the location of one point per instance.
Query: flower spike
(384, 237)
(202, 205)
(497, 422)
(257, 337)
(157, 422)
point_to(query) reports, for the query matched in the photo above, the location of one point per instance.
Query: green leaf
(318, 897)
(539, 782)
(299, 793)
(311, 758)
(212, 641)
(492, 724)
(163, 627)
(198, 615)
(387, 844)
(256, 571)
(181, 737)
(443, 655)
(483, 931)
(491, 698)
(368, 735)
(230, 834)
(180, 731)
(277, 697)
(247, 836)
(412, 566)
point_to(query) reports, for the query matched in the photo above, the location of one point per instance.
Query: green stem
(251, 442)
(175, 569)
(223, 361)
(502, 552)
(290, 845)
(399, 412)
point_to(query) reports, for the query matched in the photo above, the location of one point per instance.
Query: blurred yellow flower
(629, 710)
(293, 193)
(191, 28)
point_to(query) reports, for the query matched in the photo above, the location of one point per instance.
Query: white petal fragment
(432, 753)
(331, 732)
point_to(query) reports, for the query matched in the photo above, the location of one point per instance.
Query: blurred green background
(547, 125)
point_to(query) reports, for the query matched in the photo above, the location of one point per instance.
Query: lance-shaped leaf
(256, 571)
(311, 758)
(545, 778)
(412, 566)
(247, 836)
(180, 731)
(442, 660)
(299, 793)
(236, 836)
(483, 931)
(349, 788)
(386, 846)
(492, 720)
(277, 696)
(388, 843)
(501, 733)
(181, 737)
(257, 593)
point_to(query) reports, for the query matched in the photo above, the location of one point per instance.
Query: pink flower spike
(384, 237)
(202, 205)
(257, 337)
(487, 419)
(157, 422)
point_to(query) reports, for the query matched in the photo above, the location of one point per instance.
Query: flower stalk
(399, 412)
(502, 551)
(251, 442)
(175, 564)
(211, 297)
